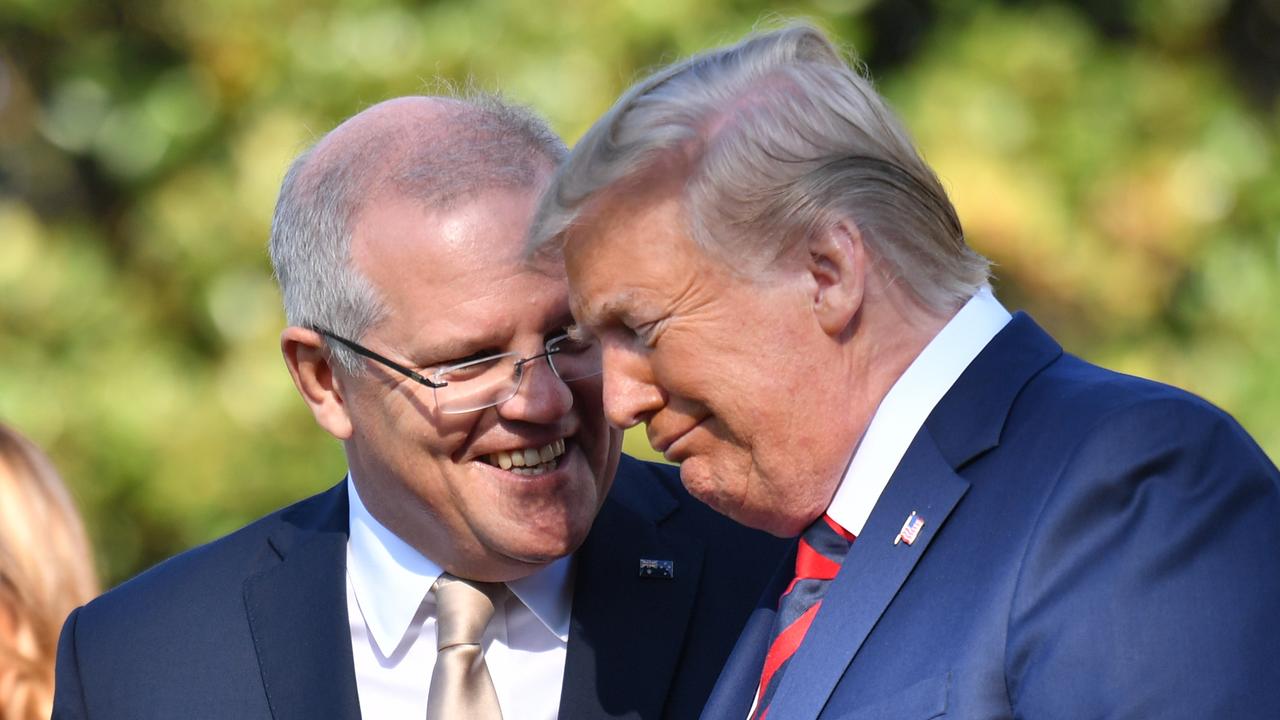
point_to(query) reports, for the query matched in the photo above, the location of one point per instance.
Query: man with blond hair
(990, 527)
(479, 560)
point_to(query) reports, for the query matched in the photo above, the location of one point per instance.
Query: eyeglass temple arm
(362, 350)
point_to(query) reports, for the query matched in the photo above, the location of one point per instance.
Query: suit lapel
(297, 612)
(871, 575)
(627, 631)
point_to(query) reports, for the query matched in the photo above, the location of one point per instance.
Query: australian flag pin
(659, 569)
(910, 529)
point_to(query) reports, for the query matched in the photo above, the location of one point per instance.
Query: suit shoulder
(649, 484)
(1071, 390)
(178, 639)
(1096, 421)
(1152, 503)
(215, 570)
(656, 488)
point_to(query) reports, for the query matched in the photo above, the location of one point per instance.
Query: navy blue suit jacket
(1094, 546)
(255, 625)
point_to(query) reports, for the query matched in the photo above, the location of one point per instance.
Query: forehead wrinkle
(691, 299)
(471, 324)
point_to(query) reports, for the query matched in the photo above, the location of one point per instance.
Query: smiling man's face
(456, 289)
(726, 370)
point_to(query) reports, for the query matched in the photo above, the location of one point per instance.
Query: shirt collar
(908, 403)
(548, 594)
(391, 578)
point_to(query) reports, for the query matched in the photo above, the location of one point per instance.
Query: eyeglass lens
(489, 381)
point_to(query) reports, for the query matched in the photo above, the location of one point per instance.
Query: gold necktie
(461, 688)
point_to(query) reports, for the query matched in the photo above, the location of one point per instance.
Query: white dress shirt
(908, 403)
(393, 628)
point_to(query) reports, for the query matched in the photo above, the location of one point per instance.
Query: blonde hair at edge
(46, 570)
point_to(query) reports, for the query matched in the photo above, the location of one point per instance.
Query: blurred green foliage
(1117, 160)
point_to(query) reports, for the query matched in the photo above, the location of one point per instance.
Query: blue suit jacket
(255, 625)
(1094, 546)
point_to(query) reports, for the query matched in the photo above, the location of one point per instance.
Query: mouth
(666, 443)
(528, 461)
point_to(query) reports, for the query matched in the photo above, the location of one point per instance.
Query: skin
(455, 285)
(760, 387)
(8, 625)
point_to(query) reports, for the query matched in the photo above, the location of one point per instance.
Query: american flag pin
(658, 569)
(910, 529)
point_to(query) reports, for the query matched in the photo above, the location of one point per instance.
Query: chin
(705, 484)
(538, 557)
(548, 543)
(768, 515)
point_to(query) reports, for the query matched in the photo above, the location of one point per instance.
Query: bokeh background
(1116, 158)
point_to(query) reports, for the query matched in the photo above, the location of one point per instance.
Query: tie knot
(463, 609)
(822, 548)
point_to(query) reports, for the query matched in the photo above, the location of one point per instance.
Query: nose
(541, 398)
(631, 394)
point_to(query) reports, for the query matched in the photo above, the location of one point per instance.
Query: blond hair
(46, 570)
(777, 137)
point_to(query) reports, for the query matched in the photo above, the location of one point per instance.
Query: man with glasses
(480, 560)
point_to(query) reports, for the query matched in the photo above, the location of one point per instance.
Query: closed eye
(647, 333)
(466, 360)
(628, 336)
(469, 369)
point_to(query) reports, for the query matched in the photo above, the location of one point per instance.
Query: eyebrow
(614, 306)
(433, 352)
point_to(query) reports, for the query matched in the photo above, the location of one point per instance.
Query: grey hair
(481, 143)
(780, 138)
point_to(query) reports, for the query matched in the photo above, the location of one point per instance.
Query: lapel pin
(660, 569)
(910, 529)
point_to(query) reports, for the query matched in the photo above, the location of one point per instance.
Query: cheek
(593, 430)
(406, 418)
(686, 374)
(587, 400)
(612, 451)
(719, 361)
(444, 436)
(428, 456)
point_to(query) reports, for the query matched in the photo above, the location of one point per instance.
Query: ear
(313, 374)
(838, 267)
